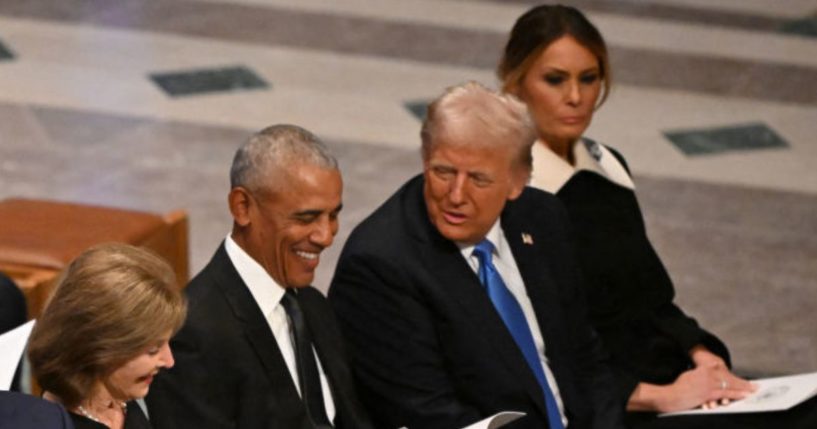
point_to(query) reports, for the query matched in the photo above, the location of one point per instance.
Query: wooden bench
(39, 238)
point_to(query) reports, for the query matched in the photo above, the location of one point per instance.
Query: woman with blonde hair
(104, 335)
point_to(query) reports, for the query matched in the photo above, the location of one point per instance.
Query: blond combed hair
(501, 119)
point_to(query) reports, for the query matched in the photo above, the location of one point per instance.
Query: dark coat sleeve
(395, 349)
(649, 335)
(674, 321)
(21, 411)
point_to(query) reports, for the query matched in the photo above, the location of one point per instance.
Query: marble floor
(140, 104)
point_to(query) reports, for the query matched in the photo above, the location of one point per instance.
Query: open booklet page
(12, 343)
(773, 394)
(496, 421)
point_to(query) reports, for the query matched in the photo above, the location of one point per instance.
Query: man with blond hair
(460, 296)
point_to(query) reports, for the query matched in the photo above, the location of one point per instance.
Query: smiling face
(285, 231)
(132, 380)
(466, 189)
(561, 88)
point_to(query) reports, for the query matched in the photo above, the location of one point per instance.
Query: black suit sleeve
(395, 346)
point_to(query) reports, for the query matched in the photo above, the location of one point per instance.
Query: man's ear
(240, 202)
(519, 179)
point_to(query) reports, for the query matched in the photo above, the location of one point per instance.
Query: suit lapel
(256, 330)
(529, 246)
(455, 276)
(534, 269)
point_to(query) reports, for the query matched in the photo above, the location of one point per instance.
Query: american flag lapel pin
(527, 239)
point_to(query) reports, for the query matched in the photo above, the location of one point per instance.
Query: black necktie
(308, 375)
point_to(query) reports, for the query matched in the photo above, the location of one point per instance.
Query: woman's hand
(708, 385)
(703, 358)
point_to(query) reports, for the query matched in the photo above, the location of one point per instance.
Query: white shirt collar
(550, 172)
(495, 236)
(266, 291)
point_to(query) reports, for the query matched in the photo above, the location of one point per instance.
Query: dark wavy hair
(535, 30)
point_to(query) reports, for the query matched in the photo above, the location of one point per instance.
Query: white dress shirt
(267, 294)
(506, 265)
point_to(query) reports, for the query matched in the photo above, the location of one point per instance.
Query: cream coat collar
(550, 172)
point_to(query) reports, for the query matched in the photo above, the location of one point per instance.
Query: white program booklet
(12, 344)
(496, 421)
(773, 394)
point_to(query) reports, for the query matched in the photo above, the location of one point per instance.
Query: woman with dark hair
(556, 61)
(104, 335)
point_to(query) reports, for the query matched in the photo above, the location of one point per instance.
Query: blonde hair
(472, 106)
(111, 303)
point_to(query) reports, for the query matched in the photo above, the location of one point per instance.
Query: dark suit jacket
(20, 411)
(229, 372)
(13, 313)
(428, 347)
(12, 305)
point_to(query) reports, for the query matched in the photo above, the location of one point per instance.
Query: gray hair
(271, 152)
(471, 106)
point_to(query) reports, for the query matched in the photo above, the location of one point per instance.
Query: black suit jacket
(13, 313)
(229, 372)
(12, 305)
(428, 347)
(21, 411)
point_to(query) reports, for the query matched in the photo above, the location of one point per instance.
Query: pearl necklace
(88, 414)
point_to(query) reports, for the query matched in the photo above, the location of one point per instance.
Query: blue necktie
(511, 313)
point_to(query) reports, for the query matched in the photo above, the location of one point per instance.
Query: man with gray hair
(460, 296)
(260, 347)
